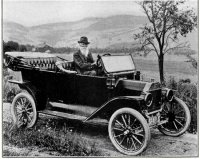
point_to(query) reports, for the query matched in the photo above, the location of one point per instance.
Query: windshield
(118, 63)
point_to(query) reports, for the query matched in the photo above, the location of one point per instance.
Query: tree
(10, 46)
(22, 48)
(168, 20)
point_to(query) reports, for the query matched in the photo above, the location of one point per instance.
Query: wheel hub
(126, 132)
(24, 110)
(129, 128)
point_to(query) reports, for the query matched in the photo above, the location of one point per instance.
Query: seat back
(46, 63)
(49, 63)
(68, 65)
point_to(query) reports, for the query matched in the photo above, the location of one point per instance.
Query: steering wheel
(98, 59)
(98, 63)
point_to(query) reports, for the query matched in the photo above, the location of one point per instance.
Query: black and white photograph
(100, 78)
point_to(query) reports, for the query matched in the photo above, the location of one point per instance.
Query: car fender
(108, 105)
(25, 85)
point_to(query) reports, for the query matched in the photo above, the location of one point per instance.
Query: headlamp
(148, 99)
(168, 94)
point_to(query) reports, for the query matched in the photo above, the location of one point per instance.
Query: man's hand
(93, 64)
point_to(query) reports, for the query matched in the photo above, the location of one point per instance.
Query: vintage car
(129, 105)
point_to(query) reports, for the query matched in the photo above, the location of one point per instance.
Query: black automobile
(129, 105)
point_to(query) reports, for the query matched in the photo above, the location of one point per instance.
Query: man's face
(83, 48)
(83, 45)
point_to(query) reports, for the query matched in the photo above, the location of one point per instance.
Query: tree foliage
(10, 46)
(168, 21)
(13, 46)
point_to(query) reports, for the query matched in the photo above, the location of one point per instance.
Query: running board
(81, 110)
(95, 121)
(63, 115)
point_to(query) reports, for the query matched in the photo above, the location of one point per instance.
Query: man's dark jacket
(83, 63)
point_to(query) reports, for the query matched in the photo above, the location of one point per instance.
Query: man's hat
(84, 40)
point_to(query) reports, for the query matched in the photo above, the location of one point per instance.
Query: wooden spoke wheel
(23, 110)
(129, 131)
(178, 116)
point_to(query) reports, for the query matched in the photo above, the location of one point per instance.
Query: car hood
(139, 85)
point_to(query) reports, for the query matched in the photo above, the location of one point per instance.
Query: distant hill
(16, 32)
(102, 32)
(116, 22)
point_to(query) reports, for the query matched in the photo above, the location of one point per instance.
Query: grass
(49, 137)
(11, 153)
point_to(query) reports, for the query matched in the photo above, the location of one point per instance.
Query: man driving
(84, 62)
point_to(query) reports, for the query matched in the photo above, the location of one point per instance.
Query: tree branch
(179, 46)
(149, 42)
(146, 12)
(148, 51)
(154, 26)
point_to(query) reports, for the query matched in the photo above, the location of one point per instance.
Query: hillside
(16, 32)
(102, 32)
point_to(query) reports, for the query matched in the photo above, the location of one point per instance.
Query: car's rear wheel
(178, 116)
(23, 110)
(128, 131)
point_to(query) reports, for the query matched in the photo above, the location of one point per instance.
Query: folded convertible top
(29, 54)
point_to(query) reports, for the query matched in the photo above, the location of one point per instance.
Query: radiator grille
(156, 100)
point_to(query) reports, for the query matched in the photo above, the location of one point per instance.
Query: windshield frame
(120, 71)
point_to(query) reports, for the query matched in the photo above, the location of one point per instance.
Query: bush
(9, 90)
(186, 91)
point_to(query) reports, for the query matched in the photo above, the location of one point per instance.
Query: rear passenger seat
(49, 63)
(43, 63)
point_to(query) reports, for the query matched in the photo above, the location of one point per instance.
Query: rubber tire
(188, 120)
(30, 98)
(142, 120)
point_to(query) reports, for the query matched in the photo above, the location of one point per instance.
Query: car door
(91, 90)
(61, 87)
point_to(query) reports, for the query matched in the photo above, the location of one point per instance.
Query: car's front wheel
(128, 131)
(178, 115)
(23, 110)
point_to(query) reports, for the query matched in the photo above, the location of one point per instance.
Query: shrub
(186, 91)
(9, 90)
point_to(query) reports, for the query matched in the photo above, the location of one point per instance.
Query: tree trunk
(161, 67)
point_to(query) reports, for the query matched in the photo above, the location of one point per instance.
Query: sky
(30, 13)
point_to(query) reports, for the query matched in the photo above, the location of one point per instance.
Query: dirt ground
(159, 146)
